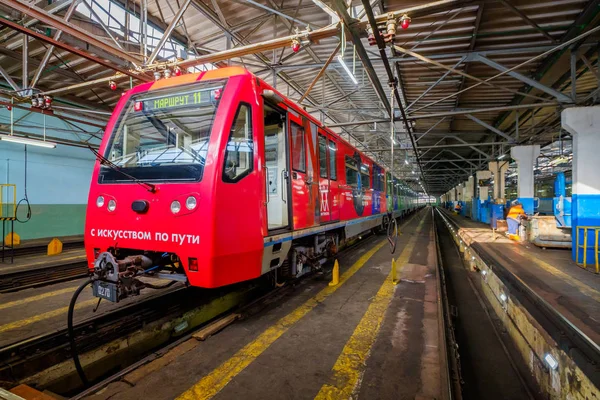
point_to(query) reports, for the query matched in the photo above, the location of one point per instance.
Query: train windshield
(164, 135)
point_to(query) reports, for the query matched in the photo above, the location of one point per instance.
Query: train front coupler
(115, 280)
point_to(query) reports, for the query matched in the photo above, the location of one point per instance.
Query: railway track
(28, 357)
(39, 249)
(24, 359)
(42, 276)
(569, 338)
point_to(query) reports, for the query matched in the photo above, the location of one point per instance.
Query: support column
(498, 169)
(584, 124)
(525, 157)
(484, 190)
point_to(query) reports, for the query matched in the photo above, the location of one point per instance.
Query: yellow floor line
(46, 315)
(214, 382)
(350, 365)
(37, 298)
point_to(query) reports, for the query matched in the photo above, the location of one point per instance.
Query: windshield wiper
(105, 161)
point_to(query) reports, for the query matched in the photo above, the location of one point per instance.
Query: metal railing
(584, 245)
(8, 209)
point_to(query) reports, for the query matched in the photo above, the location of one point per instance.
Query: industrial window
(365, 176)
(351, 172)
(322, 156)
(332, 157)
(298, 157)
(240, 148)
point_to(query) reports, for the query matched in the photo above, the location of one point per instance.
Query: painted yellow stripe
(350, 365)
(46, 315)
(37, 298)
(214, 382)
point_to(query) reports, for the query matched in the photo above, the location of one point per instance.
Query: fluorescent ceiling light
(27, 141)
(502, 156)
(341, 60)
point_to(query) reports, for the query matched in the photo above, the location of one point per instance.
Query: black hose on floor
(74, 352)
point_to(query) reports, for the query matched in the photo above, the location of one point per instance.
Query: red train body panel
(215, 175)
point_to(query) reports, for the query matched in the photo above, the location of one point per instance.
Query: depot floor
(365, 337)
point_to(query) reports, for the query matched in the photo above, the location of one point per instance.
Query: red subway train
(214, 178)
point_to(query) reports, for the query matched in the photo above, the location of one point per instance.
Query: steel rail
(568, 337)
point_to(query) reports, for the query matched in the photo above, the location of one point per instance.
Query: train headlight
(100, 201)
(191, 203)
(112, 205)
(175, 207)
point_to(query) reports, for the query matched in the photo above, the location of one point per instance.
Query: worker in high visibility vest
(513, 219)
(457, 208)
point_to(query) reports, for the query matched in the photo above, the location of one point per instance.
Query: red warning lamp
(112, 85)
(177, 71)
(405, 21)
(295, 45)
(216, 94)
(47, 101)
(138, 106)
(9, 108)
(193, 264)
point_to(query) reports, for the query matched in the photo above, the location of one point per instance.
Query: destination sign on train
(179, 100)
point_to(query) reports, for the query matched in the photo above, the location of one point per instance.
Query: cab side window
(239, 160)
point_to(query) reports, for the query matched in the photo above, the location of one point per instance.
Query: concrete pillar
(483, 190)
(498, 169)
(584, 124)
(525, 157)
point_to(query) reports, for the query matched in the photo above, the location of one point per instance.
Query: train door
(304, 187)
(334, 186)
(324, 197)
(277, 169)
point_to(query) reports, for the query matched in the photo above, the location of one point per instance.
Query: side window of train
(365, 176)
(239, 160)
(332, 158)
(351, 172)
(298, 154)
(322, 156)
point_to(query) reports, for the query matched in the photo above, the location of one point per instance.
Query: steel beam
(320, 74)
(68, 28)
(491, 128)
(455, 71)
(353, 28)
(430, 129)
(462, 59)
(449, 113)
(71, 49)
(168, 31)
(527, 19)
(8, 79)
(563, 98)
(49, 50)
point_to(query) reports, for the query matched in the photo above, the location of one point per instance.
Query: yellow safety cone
(55, 247)
(335, 274)
(395, 279)
(12, 239)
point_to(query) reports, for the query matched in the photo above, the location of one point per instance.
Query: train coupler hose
(74, 352)
(392, 233)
